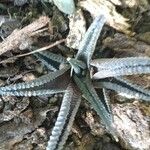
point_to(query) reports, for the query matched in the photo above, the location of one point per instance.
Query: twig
(35, 51)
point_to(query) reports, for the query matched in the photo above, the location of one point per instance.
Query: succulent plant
(82, 76)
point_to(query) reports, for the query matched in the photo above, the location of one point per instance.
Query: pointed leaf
(29, 93)
(35, 83)
(90, 94)
(104, 97)
(57, 85)
(89, 41)
(50, 60)
(69, 107)
(125, 87)
(120, 66)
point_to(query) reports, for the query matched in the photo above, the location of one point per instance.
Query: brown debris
(132, 126)
(20, 36)
(38, 137)
(13, 133)
(8, 71)
(114, 19)
(142, 4)
(121, 42)
(13, 108)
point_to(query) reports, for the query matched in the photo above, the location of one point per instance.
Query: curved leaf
(125, 87)
(120, 66)
(35, 83)
(90, 94)
(69, 107)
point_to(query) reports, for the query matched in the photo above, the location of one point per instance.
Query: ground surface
(26, 123)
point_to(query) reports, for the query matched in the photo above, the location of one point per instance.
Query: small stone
(28, 77)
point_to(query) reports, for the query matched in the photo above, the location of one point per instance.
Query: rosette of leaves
(72, 76)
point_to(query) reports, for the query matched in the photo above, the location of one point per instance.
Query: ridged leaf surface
(90, 94)
(69, 107)
(87, 46)
(120, 66)
(125, 87)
